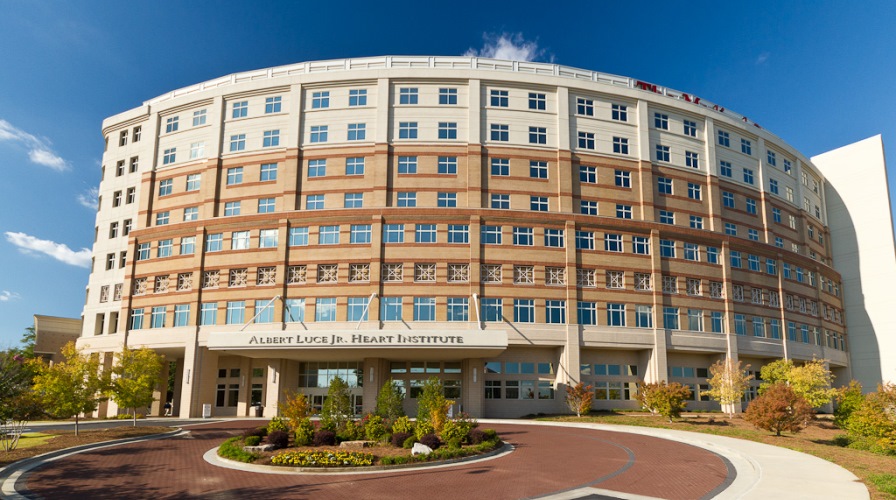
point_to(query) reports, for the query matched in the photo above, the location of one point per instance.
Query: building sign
(358, 339)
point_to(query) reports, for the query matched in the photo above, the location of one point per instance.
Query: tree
(389, 401)
(664, 399)
(874, 421)
(432, 406)
(727, 383)
(17, 402)
(134, 378)
(71, 387)
(849, 399)
(337, 409)
(812, 380)
(779, 408)
(579, 398)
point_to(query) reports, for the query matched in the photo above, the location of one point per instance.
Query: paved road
(547, 460)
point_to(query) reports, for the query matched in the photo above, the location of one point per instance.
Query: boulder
(259, 448)
(356, 444)
(420, 449)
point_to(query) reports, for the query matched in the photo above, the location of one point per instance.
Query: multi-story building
(508, 227)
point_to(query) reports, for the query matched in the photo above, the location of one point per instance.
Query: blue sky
(818, 74)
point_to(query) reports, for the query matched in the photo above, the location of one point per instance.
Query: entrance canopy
(354, 344)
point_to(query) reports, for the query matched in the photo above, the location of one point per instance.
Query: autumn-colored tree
(874, 421)
(389, 401)
(432, 406)
(661, 398)
(135, 376)
(71, 387)
(779, 408)
(727, 382)
(579, 398)
(811, 380)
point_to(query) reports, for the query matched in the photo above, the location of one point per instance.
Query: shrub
(304, 431)
(874, 422)
(849, 399)
(324, 437)
(778, 409)
(375, 428)
(277, 424)
(233, 449)
(389, 401)
(579, 398)
(295, 408)
(477, 436)
(423, 428)
(351, 431)
(409, 442)
(456, 430)
(431, 440)
(399, 438)
(403, 424)
(251, 440)
(432, 406)
(337, 410)
(256, 431)
(280, 439)
(664, 399)
(323, 458)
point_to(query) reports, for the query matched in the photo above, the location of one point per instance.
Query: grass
(30, 439)
(44, 443)
(821, 439)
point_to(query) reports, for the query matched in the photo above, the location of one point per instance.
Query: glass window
(446, 200)
(208, 313)
(236, 312)
(272, 104)
(491, 235)
(498, 98)
(390, 309)
(393, 233)
(407, 164)
(354, 166)
(615, 314)
(329, 235)
(325, 309)
(294, 310)
(320, 99)
(357, 131)
(314, 202)
(425, 233)
(447, 165)
(407, 130)
(492, 309)
(458, 233)
(234, 176)
(407, 95)
(360, 233)
(319, 133)
(271, 138)
(458, 309)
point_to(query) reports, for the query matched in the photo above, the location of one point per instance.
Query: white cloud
(90, 198)
(30, 245)
(510, 46)
(39, 150)
(763, 57)
(6, 295)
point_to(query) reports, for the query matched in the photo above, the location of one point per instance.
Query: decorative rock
(420, 449)
(356, 444)
(256, 449)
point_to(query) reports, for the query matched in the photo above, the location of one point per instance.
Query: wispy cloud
(90, 198)
(6, 296)
(512, 46)
(39, 149)
(762, 58)
(30, 245)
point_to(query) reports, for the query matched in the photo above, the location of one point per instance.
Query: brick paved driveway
(546, 460)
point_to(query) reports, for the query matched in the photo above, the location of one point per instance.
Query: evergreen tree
(389, 401)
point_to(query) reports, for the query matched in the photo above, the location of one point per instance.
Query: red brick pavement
(546, 460)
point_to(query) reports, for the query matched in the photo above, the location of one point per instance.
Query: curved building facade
(508, 227)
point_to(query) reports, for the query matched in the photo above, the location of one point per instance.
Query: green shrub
(849, 399)
(233, 449)
(389, 401)
(457, 430)
(323, 459)
(304, 431)
(252, 440)
(453, 443)
(403, 424)
(277, 424)
(422, 429)
(409, 442)
(375, 428)
(352, 431)
(666, 399)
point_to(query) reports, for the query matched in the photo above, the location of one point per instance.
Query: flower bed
(323, 458)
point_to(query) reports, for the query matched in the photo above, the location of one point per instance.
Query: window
(193, 182)
(748, 176)
(771, 266)
(613, 242)
(214, 242)
(165, 248)
(171, 124)
(240, 109)
(661, 121)
(730, 229)
(458, 233)
(753, 263)
(234, 176)
(779, 242)
(538, 203)
(500, 201)
(789, 191)
(425, 233)
(667, 249)
(662, 153)
(319, 133)
(298, 236)
(523, 236)
(491, 235)
(390, 309)
(357, 97)
(135, 161)
(670, 318)
(407, 130)
(268, 172)
(740, 324)
(670, 284)
(640, 245)
(664, 185)
(587, 174)
(776, 215)
(354, 200)
(407, 164)
(328, 235)
(237, 142)
(584, 240)
(717, 321)
(787, 166)
(199, 117)
(447, 96)
(357, 309)
(320, 100)
(694, 191)
(691, 159)
(725, 169)
(667, 217)
(643, 282)
(619, 112)
(500, 167)
(266, 205)
(424, 309)
(208, 312)
(447, 130)
(523, 310)
(537, 101)
(724, 139)
(123, 138)
(231, 208)
(588, 207)
(393, 233)
(773, 186)
(354, 166)
(538, 135)
(272, 104)
(623, 179)
(751, 206)
(239, 240)
(616, 279)
(498, 98)
(116, 199)
(143, 251)
(157, 317)
(294, 310)
(168, 156)
(271, 139)
(691, 252)
(728, 199)
(360, 233)
(586, 140)
(407, 199)
(643, 316)
(772, 158)
(458, 309)
(587, 313)
(126, 227)
(584, 106)
(314, 202)
(736, 261)
(620, 145)
(325, 309)
(553, 238)
(499, 133)
(615, 314)
(188, 245)
(137, 132)
(690, 128)
(492, 309)
(447, 165)
(162, 218)
(753, 234)
(446, 200)
(555, 311)
(746, 147)
(407, 95)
